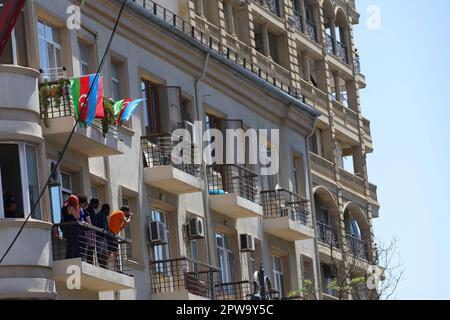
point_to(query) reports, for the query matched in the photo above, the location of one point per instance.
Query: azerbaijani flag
(124, 109)
(87, 111)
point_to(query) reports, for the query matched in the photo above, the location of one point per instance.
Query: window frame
(55, 45)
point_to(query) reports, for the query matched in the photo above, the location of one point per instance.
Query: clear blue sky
(407, 66)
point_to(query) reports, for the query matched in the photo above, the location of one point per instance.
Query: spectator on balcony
(117, 222)
(89, 218)
(70, 217)
(101, 221)
(9, 204)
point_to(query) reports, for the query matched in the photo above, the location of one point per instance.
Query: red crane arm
(8, 18)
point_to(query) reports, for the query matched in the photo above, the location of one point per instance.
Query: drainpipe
(200, 116)
(313, 212)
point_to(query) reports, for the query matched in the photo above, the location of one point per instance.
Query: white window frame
(84, 63)
(23, 178)
(278, 275)
(115, 80)
(226, 271)
(54, 45)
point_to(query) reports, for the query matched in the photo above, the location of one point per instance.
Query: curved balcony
(27, 272)
(19, 108)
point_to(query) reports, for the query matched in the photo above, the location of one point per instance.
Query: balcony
(272, 5)
(347, 120)
(322, 167)
(327, 235)
(286, 215)
(26, 272)
(233, 191)
(174, 174)
(339, 50)
(234, 291)
(182, 279)
(353, 183)
(357, 247)
(99, 255)
(58, 119)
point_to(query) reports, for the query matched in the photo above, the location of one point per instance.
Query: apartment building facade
(199, 231)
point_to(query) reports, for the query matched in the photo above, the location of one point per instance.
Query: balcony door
(163, 107)
(50, 52)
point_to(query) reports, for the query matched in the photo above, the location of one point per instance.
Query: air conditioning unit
(195, 228)
(247, 243)
(158, 233)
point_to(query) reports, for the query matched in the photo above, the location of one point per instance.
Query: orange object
(115, 221)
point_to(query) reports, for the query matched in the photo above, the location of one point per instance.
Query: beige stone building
(199, 232)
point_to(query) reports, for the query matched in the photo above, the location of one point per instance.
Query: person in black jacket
(90, 217)
(101, 221)
(70, 217)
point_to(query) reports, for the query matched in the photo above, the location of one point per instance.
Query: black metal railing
(237, 56)
(311, 30)
(330, 44)
(341, 52)
(327, 235)
(233, 178)
(274, 6)
(55, 99)
(298, 21)
(241, 290)
(93, 245)
(282, 203)
(357, 247)
(157, 151)
(183, 274)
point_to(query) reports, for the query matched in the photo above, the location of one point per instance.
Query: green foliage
(109, 119)
(48, 93)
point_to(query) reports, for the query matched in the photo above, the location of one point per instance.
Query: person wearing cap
(70, 216)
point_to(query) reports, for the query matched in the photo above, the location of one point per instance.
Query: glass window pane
(43, 54)
(41, 29)
(66, 181)
(55, 195)
(33, 180)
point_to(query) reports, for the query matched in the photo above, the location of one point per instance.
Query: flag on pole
(93, 107)
(124, 109)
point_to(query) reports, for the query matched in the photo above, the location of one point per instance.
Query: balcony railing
(56, 102)
(357, 247)
(323, 166)
(357, 63)
(352, 182)
(311, 30)
(298, 21)
(330, 44)
(282, 203)
(327, 235)
(93, 245)
(157, 151)
(206, 39)
(183, 274)
(241, 290)
(224, 179)
(341, 52)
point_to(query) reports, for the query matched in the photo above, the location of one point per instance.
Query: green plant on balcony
(48, 93)
(109, 118)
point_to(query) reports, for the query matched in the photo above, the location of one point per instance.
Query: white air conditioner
(196, 228)
(247, 243)
(158, 233)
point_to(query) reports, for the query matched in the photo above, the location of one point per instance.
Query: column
(303, 14)
(265, 40)
(200, 8)
(333, 34)
(230, 18)
(306, 65)
(337, 86)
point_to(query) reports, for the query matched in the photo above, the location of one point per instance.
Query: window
(225, 257)
(299, 175)
(316, 143)
(161, 252)
(329, 276)
(85, 51)
(60, 193)
(278, 276)
(19, 180)
(49, 48)
(115, 68)
(16, 50)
